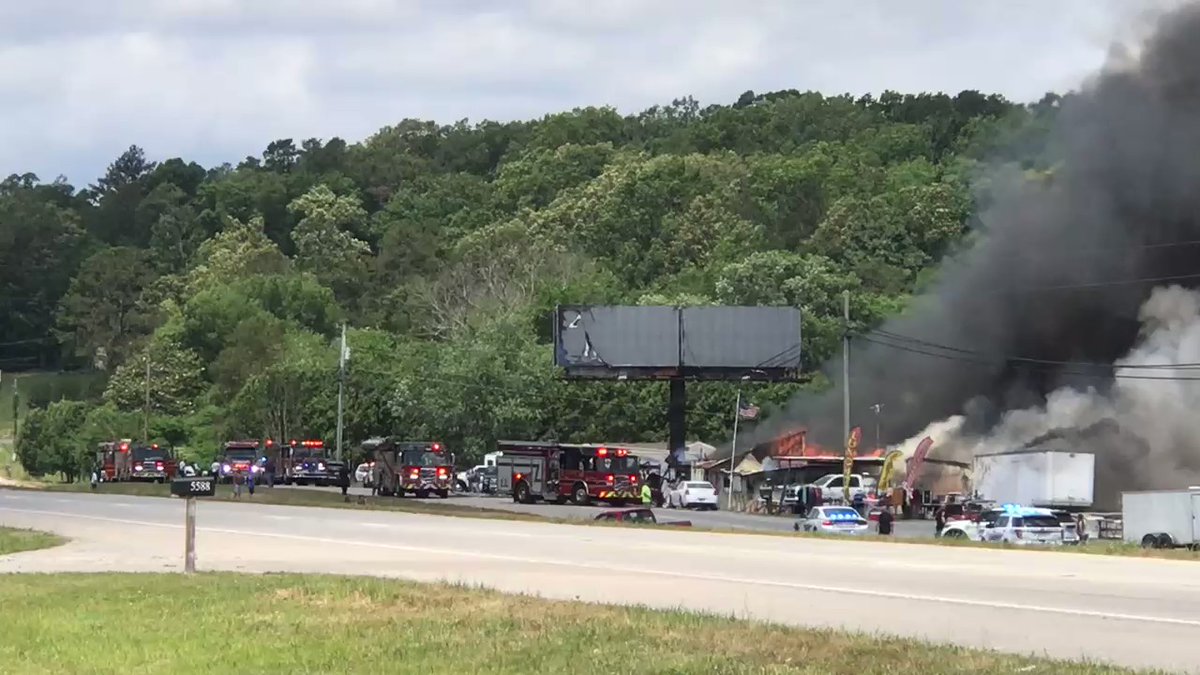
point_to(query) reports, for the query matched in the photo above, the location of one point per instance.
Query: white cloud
(215, 80)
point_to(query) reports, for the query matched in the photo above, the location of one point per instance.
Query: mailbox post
(189, 489)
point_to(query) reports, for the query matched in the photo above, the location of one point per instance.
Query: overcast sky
(215, 80)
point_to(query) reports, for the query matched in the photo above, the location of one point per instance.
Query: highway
(717, 520)
(1131, 611)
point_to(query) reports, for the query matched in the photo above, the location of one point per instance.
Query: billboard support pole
(677, 415)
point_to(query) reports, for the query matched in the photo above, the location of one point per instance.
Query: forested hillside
(444, 248)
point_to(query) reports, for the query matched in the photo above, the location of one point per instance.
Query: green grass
(227, 623)
(15, 541)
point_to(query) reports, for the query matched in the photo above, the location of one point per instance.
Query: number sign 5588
(193, 487)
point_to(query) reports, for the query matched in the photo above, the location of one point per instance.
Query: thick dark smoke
(1125, 189)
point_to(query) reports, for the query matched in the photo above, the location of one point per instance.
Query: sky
(216, 80)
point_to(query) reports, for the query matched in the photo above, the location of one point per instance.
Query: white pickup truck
(831, 486)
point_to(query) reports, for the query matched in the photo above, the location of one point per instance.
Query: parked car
(1025, 527)
(363, 475)
(644, 516)
(971, 525)
(697, 493)
(834, 520)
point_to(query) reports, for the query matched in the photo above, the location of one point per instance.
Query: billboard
(658, 342)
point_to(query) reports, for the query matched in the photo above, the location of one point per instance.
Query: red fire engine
(557, 472)
(410, 467)
(152, 463)
(306, 462)
(238, 457)
(113, 458)
(124, 460)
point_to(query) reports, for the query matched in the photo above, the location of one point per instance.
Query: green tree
(240, 250)
(104, 309)
(325, 246)
(176, 379)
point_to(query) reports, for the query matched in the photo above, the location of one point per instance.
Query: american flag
(748, 411)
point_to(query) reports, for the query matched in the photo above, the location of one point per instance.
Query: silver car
(834, 520)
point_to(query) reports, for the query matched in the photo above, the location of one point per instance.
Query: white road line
(843, 590)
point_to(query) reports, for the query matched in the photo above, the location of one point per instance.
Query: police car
(1024, 526)
(834, 520)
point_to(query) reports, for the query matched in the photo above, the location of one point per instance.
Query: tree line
(445, 248)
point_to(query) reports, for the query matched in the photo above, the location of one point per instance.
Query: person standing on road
(939, 521)
(885, 521)
(238, 480)
(269, 467)
(647, 498)
(344, 479)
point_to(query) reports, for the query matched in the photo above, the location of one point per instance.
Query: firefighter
(344, 480)
(238, 479)
(647, 497)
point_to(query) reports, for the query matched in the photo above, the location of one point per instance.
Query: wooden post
(189, 546)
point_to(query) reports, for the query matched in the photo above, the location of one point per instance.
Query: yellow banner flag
(848, 462)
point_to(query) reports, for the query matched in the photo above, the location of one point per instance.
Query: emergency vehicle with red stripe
(557, 472)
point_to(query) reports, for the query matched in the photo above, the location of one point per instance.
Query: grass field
(16, 541)
(284, 623)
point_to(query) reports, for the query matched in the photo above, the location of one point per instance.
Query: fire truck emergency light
(270, 442)
(622, 452)
(154, 446)
(437, 447)
(124, 447)
(602, 452)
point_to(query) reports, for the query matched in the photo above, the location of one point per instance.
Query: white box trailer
(1043, 478)
(1161, 518)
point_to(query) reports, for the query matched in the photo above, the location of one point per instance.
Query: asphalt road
(1138, 612)
(723, 520)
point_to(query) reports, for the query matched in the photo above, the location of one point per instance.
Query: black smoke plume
(1120, 205)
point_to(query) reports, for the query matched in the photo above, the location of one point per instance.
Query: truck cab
(152, 463)
(308, 463)
(831, 486)
(238, 457)
(420, 468)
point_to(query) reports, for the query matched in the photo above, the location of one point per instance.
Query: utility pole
(343, 354)
(845, 364)
(146, 409)
(877, 408)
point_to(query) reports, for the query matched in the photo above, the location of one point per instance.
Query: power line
(1092, 284)
(994, 362)
(1025, 359)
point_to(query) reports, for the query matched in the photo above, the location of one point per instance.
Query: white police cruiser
(1024, 526)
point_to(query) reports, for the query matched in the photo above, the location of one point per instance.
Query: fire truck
(305, 462)
(114, 460)
(410, 467)
(152, 463)
(557, 472)
(239, 457)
